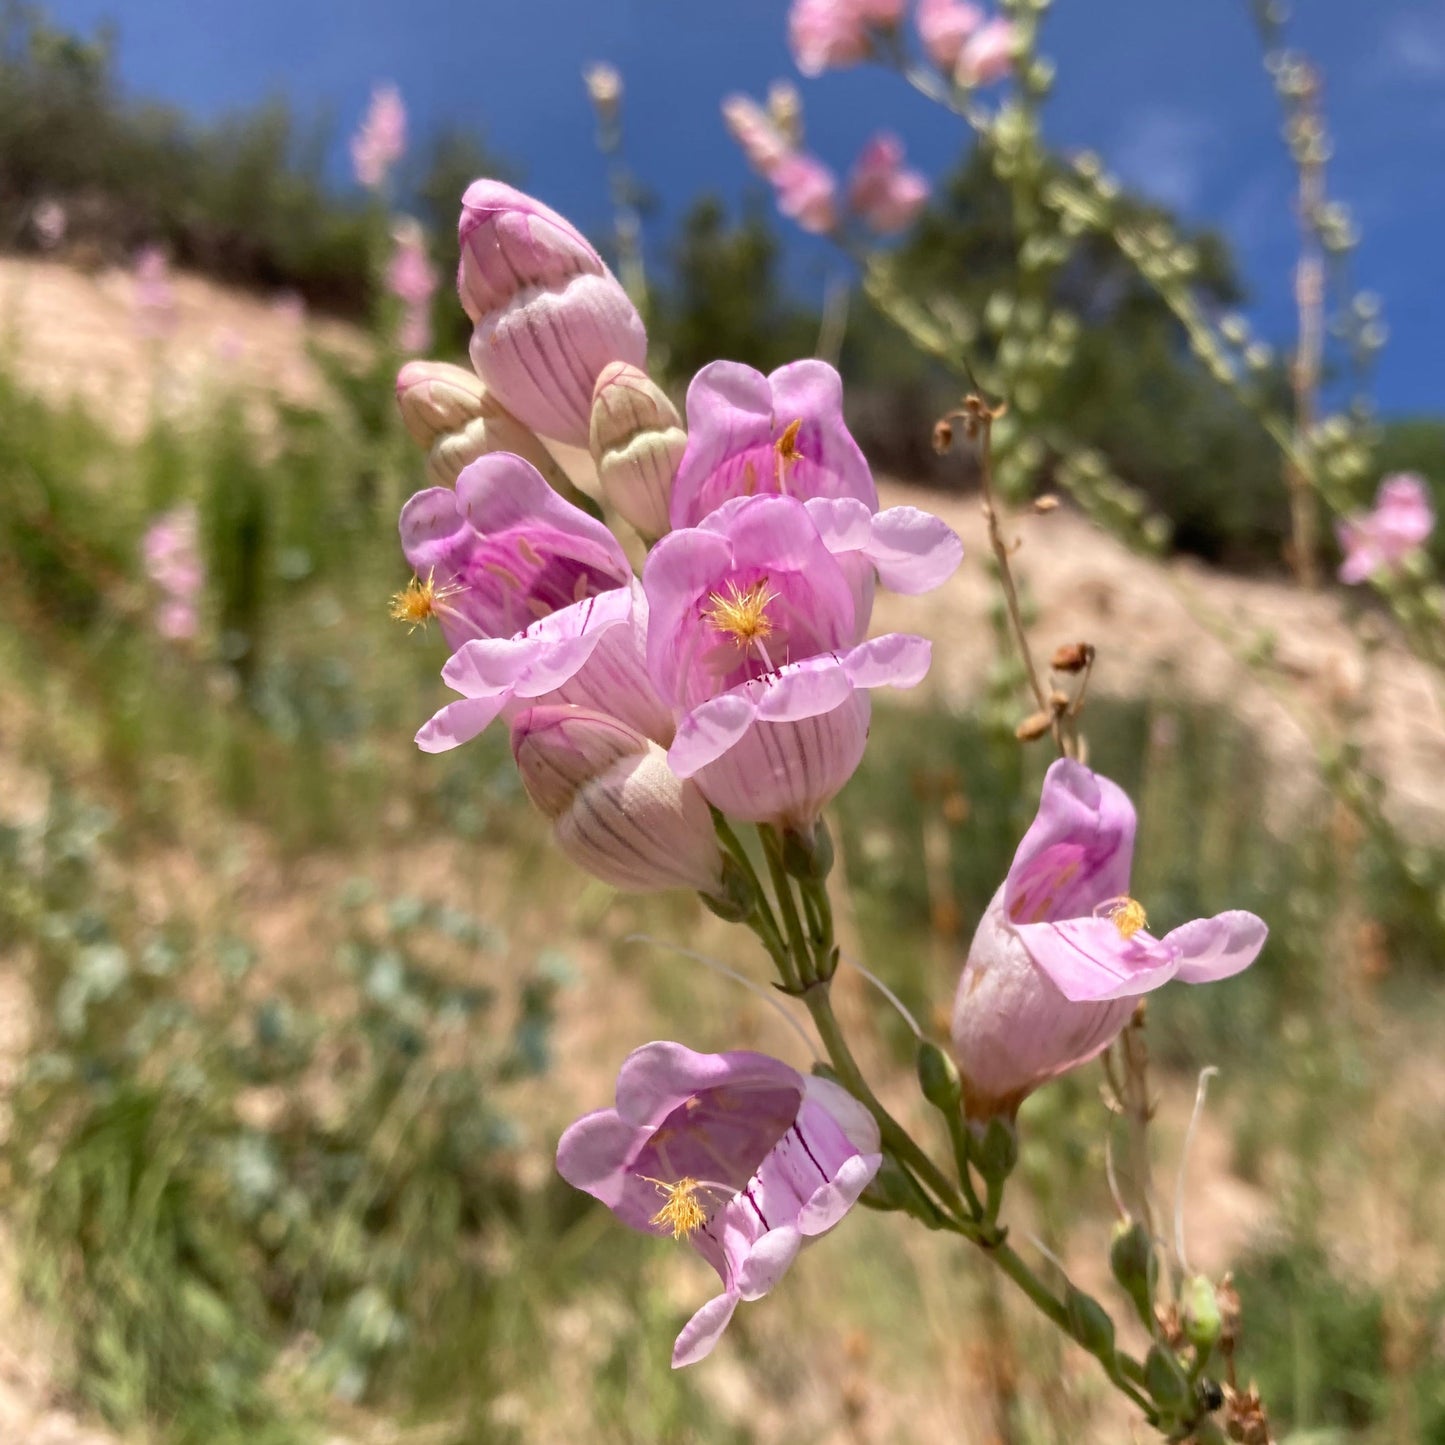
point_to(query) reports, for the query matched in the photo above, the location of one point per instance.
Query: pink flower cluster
(1378, 541)
(412, 279)
(734, 678)
(959, 39)
(380, 141)
(882, 192)
(171, 556)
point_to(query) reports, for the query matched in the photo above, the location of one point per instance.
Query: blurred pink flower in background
(170, 554)
(50, 221)
(412, 279)
(988, 54)
(155, 297)
(761, 140)
(944, 26)
(381, 140)
(1379, 540)
(885, 195)
(807, 192)
(833, 34)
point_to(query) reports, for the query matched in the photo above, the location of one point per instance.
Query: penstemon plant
(687, 728)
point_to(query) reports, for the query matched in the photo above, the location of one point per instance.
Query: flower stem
(787, 906)
(894, 1135)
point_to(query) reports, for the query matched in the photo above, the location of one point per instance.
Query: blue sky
(1170, 92)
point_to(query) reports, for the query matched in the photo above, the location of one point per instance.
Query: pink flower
(806, 192)
(381, 140)
(885, 195)
(755, 435)
(738, 1153)
(171, 556)
(760, 139)
(987, 55)
(155, 297)
(502, 551)
(548, 315)
(592, 654)
(833, 34)
(1062, 952)
(753, 642)
(944, 26)
(1379, 540)
(410, 275)
(617, 809)
(750, 434)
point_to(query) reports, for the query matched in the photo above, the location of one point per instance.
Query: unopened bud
(938, 1078)
(1131, 1257)
(808, 856)
(617, 808)
(637, 442)
(548, 315)
(1034, 726)
(1089, 1323)
(448, 412)
(736, 900)
(893, 1190)
(1200, 1315)
(1048, 503)
(1072, 657)
(996, 1152)
(1166, 1382)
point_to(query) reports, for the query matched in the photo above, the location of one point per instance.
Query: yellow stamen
(787, 444)
(420, 601)
(681, 1213)
(1127, 915)
(743, 612)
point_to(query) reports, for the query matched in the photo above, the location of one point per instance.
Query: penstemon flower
(833, 34)
(987, 55)
(1379, 540)
(547, 314)
(752, 640)
(380, 141)
(761, 140)
(637, 444)
(884, 194)
(592, 654)
(944, 26)
(807, 192)
(1063, 952)
(500, 552)
(171, 555)
(737, 1153)
(617, 808)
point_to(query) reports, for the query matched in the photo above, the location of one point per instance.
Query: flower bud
(548, 315)
(1199, 1313)
(1131, 1257)
(1089, 1323)
(637, 443)
(938, 1078)
(997, 1150)
(617, 809)
(448, 411)
(1166, 1381)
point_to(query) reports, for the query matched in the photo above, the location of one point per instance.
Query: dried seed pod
(1072, 657)
(1046, 503)
(1034, 726)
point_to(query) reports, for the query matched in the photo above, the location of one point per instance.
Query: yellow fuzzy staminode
(681, 1213)
(742, 612)
(419, 601)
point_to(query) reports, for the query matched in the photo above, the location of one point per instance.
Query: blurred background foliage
(278, 1157)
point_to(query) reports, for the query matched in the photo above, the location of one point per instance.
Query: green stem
(763, 921)
(782, 886)
(1121, 1369)
(894, 1135)
(958, 1136)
